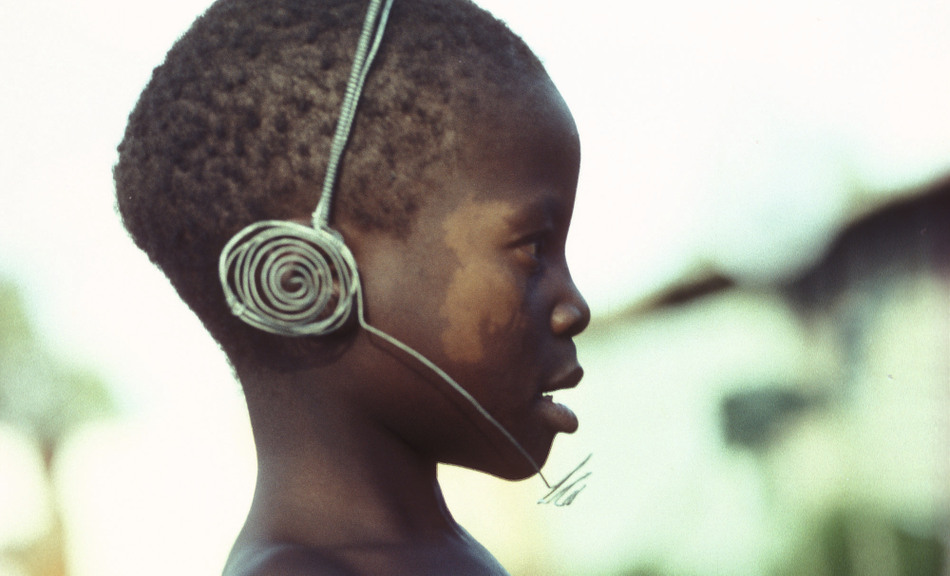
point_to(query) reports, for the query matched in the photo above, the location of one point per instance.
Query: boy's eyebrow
(533, 213)
(548, 209)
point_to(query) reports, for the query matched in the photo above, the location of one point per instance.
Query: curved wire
(365, 53)
(288, 278)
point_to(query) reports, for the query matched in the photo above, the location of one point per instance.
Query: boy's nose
(570, 315)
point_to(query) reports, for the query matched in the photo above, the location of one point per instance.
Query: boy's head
(235, 128)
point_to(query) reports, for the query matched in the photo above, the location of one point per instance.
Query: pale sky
(729, 132)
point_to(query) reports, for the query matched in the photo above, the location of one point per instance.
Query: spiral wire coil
(289, 279)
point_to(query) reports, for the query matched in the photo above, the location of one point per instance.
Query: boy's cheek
(481, 300)
(480, 306)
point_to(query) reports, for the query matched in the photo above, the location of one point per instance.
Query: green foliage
(14, 324)
(852, 543)
(39, 393)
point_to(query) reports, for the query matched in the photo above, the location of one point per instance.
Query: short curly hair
(235, 127)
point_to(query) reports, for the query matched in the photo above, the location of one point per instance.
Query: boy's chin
(516, 475)
(514, 466)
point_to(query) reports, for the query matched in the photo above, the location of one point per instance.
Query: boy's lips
(569, 379)
(559, 417)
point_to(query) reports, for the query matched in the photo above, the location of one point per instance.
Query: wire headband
(361, 65)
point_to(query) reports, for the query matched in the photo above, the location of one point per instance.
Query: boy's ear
(359, 242)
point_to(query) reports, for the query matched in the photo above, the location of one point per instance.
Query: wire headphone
(295, 280)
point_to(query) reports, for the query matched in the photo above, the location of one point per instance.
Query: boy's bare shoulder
(284, 560)
(465, 558)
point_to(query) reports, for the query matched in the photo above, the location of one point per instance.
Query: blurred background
(762, 230)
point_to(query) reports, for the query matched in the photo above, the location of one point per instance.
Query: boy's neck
(338, 490)
(329, 474)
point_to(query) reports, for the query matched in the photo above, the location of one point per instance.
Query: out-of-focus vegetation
(832, 390)
(798, 427)
(42, 399)
(38, 392)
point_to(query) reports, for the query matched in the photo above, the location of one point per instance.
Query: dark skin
(348, 448)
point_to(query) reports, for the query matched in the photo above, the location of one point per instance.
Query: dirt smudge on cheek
(482, 300)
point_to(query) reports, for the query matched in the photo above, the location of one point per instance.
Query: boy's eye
(532, 249)
(535, 247)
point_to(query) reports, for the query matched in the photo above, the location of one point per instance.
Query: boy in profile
(451, 205)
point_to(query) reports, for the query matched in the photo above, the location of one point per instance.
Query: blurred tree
(45, 398)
